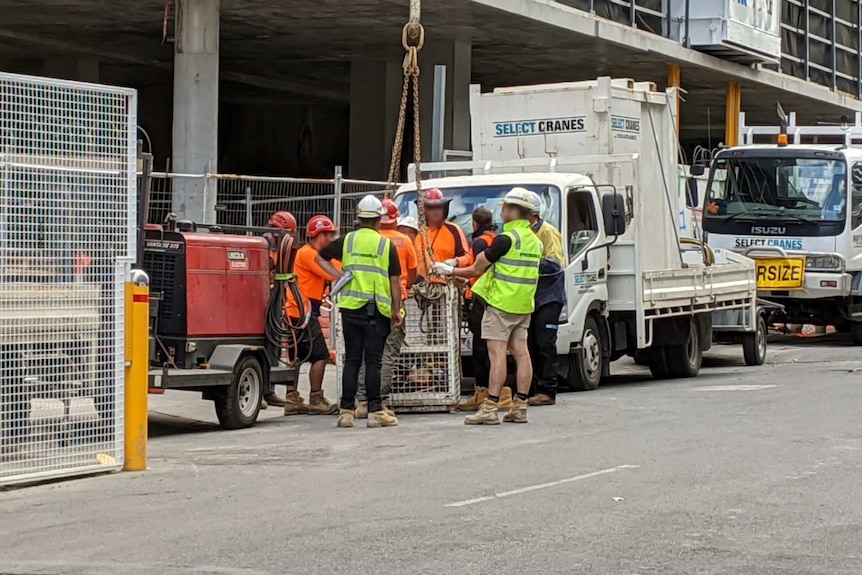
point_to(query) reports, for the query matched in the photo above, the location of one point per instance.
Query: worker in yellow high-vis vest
(509, 271)
(369, 300)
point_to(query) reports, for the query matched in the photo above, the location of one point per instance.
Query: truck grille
(162, 268)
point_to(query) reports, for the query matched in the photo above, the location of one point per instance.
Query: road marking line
(735, 387)
(539, 486)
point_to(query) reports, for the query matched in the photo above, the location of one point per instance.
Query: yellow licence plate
(784, 273)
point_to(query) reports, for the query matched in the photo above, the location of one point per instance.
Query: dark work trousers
(542, 342)
(481, 362)
(364, 339)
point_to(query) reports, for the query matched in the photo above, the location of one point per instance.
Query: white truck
(602, 155)
(791, 198)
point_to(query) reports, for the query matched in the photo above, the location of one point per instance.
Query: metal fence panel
(428, 374)
(67, 220)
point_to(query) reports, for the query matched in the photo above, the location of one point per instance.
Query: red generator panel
(212, 285)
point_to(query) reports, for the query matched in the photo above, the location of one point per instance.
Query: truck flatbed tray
(196, 378)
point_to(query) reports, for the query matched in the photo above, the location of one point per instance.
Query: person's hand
(397, 320)
(442, 269)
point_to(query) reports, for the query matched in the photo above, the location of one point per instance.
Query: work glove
(452, 262)
(442, 269)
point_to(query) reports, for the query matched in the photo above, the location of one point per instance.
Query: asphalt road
(741, 470)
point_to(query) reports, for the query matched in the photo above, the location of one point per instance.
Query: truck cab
(795, 208)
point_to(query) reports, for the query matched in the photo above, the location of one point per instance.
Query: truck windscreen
(467, 199)
(777, 189)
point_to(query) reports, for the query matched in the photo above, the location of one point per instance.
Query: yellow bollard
(137, 371)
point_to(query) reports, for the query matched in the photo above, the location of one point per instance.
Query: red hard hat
(434, 197)
(392, 212)
(283, 220)
(318, 225)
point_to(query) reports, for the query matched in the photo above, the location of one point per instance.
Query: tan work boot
(541, 399)
(294, 404)
(487, 415)
(275, 400)
(505, 398)
(517, 413)
(473, 402)
(388, 410)
(361, 410)
(263, 404)
(381, 419)
(319, 405)
(345, 418)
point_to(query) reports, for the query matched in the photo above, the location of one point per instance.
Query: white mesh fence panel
(67, 213)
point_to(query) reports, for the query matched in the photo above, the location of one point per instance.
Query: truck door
(855, 201)
(584, 282)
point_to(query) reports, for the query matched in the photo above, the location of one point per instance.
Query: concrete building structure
(295, 88)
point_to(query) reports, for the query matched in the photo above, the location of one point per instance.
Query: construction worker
(312, 281)
(408, 226)
(446, 239)
(284, 222)
(509, 271)
(392, 351)
(370, 307)
(484, 232)
(550, 302)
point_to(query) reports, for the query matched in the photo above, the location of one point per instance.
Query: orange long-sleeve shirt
(447, 242)
(311, 279)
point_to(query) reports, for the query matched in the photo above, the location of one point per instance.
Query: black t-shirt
(499, 247)
(335, 250)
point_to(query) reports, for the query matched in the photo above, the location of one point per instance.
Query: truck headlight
(827, 262)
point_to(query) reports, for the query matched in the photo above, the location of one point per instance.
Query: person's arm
(479, 246)
(553, 244)
(310, 261)
(412, 264)
(331, 252)
(462, 248)
(499, 247)
(395, 285)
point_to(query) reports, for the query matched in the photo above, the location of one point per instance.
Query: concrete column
(195, 132)
(456, 56)
(80, 69)
(375, 97)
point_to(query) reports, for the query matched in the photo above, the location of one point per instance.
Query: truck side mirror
(691, 193)
(614, 214)
(696, 170)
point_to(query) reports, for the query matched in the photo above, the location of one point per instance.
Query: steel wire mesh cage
(427, 376)
(67, 224)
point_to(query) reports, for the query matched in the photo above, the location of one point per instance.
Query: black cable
(280, 332)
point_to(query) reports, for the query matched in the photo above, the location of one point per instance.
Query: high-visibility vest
(510, 283)
(488, 236)
(366, 257)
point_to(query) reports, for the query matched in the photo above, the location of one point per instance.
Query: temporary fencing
(427, 376)
(67, 228)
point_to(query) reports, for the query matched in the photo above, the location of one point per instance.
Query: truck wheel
(684, 360)
(657, 362)
(238, 405)
(585, 367)
(754, 344)
(641, 357)
(856, 332)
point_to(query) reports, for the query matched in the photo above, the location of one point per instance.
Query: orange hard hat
(434, 197)
(283, 220)
(318, 225)
(392, 212)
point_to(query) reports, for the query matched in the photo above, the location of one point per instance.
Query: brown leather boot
(505, 398)
(472, 403)
(319, 405)
(294, 404)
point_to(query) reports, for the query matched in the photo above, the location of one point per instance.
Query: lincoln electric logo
(768, 230)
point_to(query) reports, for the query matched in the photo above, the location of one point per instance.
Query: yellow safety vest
(510, 283)
(366, 257)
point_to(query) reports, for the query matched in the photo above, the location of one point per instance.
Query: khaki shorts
(498, 325)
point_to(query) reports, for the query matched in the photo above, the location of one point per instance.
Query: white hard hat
(370, 207)
(408, 222)
(538, 204)
(520, 197)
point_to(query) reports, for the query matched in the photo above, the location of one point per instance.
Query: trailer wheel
(238, 405)
(754, 344)
(585, 367)
(684, 360)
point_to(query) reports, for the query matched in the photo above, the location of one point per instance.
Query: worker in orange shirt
(446, 239)
(392, 349)
(312, 281)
